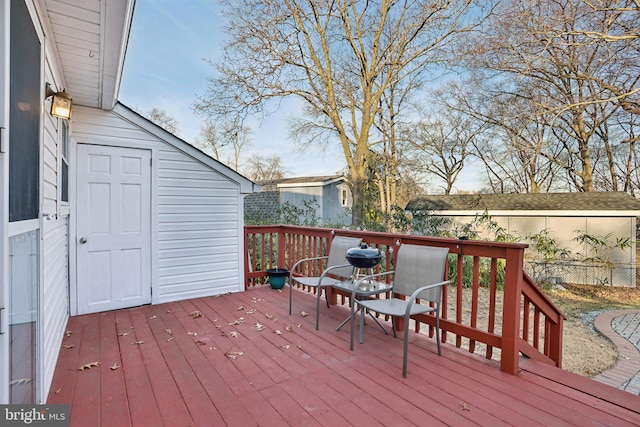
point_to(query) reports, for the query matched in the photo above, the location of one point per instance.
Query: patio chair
(337, 269)
(419, 273)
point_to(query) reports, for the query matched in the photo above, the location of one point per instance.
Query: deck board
(180, 374)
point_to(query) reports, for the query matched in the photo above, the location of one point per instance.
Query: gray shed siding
(565, 229)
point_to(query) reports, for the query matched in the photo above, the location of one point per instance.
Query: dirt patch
(585, 351)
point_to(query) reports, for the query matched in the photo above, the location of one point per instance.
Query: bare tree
(209, 140)
(539, 53)
(338, 56)
(162, 119)
(443, 142)
(226, 142)
(265, 168)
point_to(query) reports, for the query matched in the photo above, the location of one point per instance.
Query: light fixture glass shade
(61, 105)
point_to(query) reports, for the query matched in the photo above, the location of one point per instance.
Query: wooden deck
(154, 370)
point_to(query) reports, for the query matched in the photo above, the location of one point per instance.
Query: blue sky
(165, 67)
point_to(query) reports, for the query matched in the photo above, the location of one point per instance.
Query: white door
(113, 231)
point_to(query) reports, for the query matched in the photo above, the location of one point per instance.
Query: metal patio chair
(419, 273)
(337, 269)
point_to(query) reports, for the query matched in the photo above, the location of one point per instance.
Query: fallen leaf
(153, 317)
(253, 310)
(242, 307)
(259, 326)
(123, 334)
(277, 332)
(171, 310)
(233, 355)
(304, 314)
(195, 334)
(288, 328)
(169, 339)
(137, 342)
(115, 366)
(196, 314)
(286, 347)
(234, 334)
(68, 346)
(169, 331)
(270, 317)
(89, 366)
(58, 390)
(200, 342)
(68, 333)
(237, 321)
(465, 406)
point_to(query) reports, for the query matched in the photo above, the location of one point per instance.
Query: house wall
(54, 231)
(197, 212)
(565, 229)
(298, 195)
(333, 211)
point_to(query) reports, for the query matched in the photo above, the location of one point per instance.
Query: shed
(100, 211)
(610, 215)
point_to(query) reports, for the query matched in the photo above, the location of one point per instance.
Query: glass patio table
(366, 288)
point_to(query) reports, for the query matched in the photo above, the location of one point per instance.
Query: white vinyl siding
(55, 253)
(198, 221)
(55, 295)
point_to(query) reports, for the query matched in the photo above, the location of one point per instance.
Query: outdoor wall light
(60, 103)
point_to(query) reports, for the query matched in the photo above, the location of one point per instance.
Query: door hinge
(3, 141)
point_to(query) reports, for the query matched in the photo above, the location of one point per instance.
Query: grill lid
(364, 256)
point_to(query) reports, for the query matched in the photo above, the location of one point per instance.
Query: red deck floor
(154, 370)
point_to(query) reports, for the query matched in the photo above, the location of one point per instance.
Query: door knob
(83, 240)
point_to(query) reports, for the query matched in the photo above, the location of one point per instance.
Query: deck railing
(491, 306)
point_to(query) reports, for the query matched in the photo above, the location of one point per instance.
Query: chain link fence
(584, 273)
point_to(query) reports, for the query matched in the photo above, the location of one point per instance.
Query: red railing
(490, 305)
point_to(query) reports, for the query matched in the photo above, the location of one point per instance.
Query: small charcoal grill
(364, 256)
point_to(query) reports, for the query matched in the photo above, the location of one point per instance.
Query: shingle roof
(300, 179)
(592, 201)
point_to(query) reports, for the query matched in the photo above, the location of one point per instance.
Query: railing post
(247, 260)
(282, 245)
(511, 310)
(555, 340)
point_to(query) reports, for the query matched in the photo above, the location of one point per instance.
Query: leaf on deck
(236, 322)
(68, 346)
(89, 366)
(196, 314)
(115, 366)
(233, 355)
